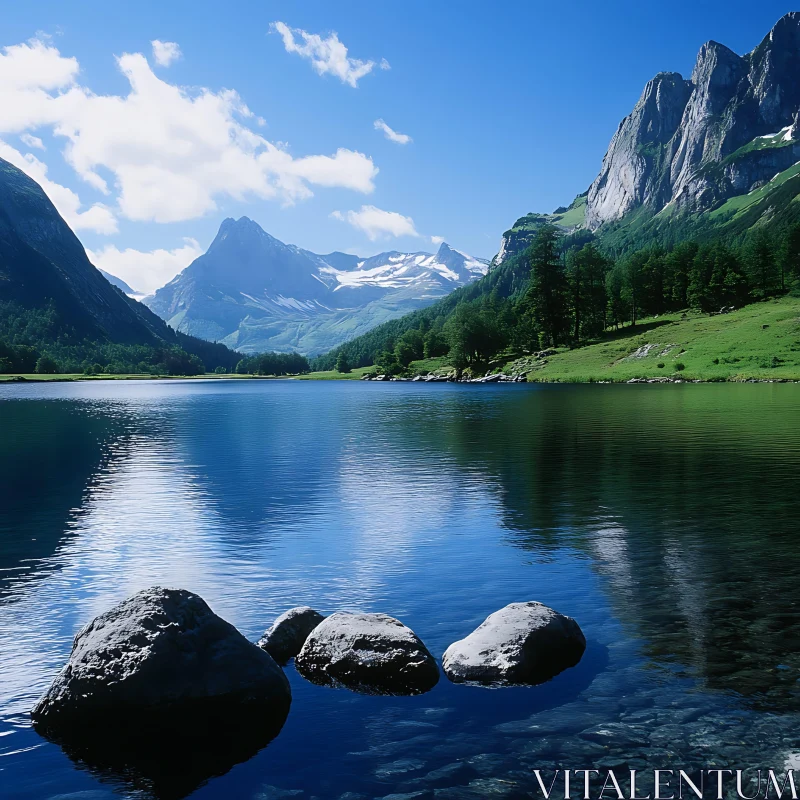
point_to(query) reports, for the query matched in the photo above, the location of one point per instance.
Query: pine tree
(548, 291)
(586, 277)
(618, 310)
(759, 259)
(790, 259)
(633, 283)
(677, 269)
(342, 364)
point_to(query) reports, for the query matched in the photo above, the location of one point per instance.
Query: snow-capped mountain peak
(255, 293)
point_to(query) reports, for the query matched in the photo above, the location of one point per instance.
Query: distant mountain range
(254, 293)
(120, 284)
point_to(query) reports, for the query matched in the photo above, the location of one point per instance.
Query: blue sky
(509, 106)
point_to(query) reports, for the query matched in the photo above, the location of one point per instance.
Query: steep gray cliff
(728, 130)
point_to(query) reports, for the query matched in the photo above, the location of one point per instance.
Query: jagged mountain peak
(695, 143)
(243, 230)
(255, 293)
(787, 26)
(718, 68)
(446, 251)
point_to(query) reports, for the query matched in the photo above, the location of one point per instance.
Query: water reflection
(50, 454)
(685, 499)
(662, 518)
(168, 758)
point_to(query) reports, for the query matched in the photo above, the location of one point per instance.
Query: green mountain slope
(53, 298)
(758, 342)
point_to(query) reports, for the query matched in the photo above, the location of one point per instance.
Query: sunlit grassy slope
(760, 341)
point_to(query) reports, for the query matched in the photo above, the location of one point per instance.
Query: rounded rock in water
(372, 653)
(523, 643)
(161, 688)
(286, 636)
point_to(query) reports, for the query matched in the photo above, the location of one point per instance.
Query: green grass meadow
(760, 341)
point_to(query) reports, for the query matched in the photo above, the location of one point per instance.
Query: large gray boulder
(287, 635)
(160, 692)
(523, 643)
(161, 650)
(371, 653)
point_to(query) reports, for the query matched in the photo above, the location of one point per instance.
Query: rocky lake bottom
(662, 518)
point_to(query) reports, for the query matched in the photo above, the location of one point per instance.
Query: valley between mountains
(694, 210)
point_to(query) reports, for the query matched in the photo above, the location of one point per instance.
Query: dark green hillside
(58, 311)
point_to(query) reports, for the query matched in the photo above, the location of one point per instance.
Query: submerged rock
(526, 643)
(160, 691)
(287, 635)
(372, 653)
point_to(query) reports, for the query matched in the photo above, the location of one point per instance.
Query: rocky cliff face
(728, 130)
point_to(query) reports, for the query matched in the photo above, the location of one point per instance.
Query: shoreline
(77, 378)
(24, 380)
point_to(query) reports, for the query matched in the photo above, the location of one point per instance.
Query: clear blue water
(663, 518)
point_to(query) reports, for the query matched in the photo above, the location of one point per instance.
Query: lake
(664, 519)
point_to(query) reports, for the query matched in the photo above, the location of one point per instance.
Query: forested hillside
(59, 314)
(563, 292)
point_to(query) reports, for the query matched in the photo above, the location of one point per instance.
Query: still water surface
(663, 518)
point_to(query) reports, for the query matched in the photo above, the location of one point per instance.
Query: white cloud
(35, 65)
(375, 222)
(392, 135)
(98, 218)
(31, 75)
(326, 55)
(146, 271)
(32, 141)
(437, 240)
(165, 52)
(170, 153)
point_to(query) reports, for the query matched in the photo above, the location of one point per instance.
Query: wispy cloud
(32, 141)
(375, 222)
(390, 134)
(165, 52)
(327, 55)
(437, 239)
